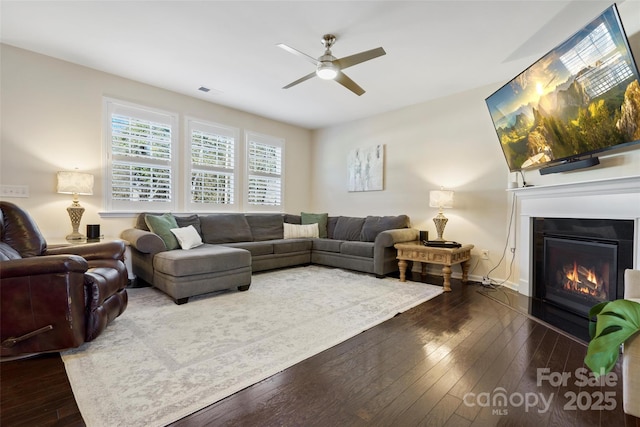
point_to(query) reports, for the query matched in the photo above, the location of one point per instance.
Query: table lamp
(76, 183)
(440, 199)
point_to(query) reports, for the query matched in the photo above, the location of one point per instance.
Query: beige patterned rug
(159, 362)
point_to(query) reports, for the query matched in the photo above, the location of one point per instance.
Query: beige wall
(52, 120)
(448, 142)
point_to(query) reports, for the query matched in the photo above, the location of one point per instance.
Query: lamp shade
(441, 199)
(71, 182)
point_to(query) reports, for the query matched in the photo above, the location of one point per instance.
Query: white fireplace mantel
(614, 198)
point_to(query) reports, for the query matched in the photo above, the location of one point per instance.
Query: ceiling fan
(328, 67)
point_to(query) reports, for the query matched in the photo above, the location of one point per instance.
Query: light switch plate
(14, 190)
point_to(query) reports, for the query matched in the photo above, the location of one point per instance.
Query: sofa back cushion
(373, 225)
(331, 225)
(225, 228)
(185, 221)
(265, 226)
(292, 219)
(141, 222)
(348, 228)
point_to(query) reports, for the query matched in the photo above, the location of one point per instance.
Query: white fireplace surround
(614, 198)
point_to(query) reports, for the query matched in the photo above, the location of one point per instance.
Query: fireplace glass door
(579, 274)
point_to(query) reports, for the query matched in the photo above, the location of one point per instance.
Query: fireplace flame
(583, 280)
(573, 276)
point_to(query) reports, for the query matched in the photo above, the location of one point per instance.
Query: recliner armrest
(92, 251)
(42, 304)
(54, 264)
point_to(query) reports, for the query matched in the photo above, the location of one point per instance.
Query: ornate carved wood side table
(417, 252)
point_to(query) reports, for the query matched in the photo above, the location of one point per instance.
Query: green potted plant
(616, 321)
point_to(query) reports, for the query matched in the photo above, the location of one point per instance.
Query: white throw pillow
(188, 237)
(296, 231)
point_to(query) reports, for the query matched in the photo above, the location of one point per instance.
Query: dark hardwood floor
(441, 363)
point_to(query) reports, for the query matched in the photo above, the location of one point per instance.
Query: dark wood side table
(417, 252)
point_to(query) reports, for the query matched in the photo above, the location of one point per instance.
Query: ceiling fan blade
(348, 83)
(314, 61)
(349, 61)
(300, 80)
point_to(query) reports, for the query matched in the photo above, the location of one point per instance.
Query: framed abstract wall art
(366, 168)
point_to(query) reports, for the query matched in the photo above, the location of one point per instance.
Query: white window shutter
(265, 158)
(212, 166)
(140, 144)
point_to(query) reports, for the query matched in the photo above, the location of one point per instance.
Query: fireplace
(616, 198)
(579, 263)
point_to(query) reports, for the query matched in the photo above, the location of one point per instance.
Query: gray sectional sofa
(236, 244)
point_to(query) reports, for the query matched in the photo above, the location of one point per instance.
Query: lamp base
(74, 237)
(440, 222)
(75, 214)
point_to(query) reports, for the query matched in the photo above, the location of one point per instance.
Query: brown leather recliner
(57, 298)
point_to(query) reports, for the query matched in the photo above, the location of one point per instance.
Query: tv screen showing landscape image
(579, 99)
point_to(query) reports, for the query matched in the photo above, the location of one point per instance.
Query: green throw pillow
(162, 225)
(320, 219)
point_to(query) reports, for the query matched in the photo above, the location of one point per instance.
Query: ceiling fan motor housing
(328, 40)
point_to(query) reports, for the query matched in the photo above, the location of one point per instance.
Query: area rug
(159, 362)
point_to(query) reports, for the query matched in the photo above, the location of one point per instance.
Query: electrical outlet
(14, 191)
(484, 253)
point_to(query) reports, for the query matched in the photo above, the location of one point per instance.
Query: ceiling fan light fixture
(327, 70)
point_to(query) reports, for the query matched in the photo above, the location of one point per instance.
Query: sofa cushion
(141, 223)
(201, 260)
(361, 249)
(327, 245)
(162, 225)
(292, 219)
(316, 218)
(266, 227)
(185, 221)
(188, 237)
(331, 225)
(348, 228)
(256, 248)
(298, 231)
(291, 245)
(225, 228)
(373, 225)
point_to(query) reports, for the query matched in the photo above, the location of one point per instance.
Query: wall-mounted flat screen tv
(579, 99)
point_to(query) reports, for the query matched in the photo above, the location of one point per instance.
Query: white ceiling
(434, 48)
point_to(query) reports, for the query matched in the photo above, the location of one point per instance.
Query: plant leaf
(616, 321)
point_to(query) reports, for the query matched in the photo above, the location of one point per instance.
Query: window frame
(113, 106)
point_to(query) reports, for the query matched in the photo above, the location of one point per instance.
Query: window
(152, 166)
(211, 166)
(140, 144)
(264, 180)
